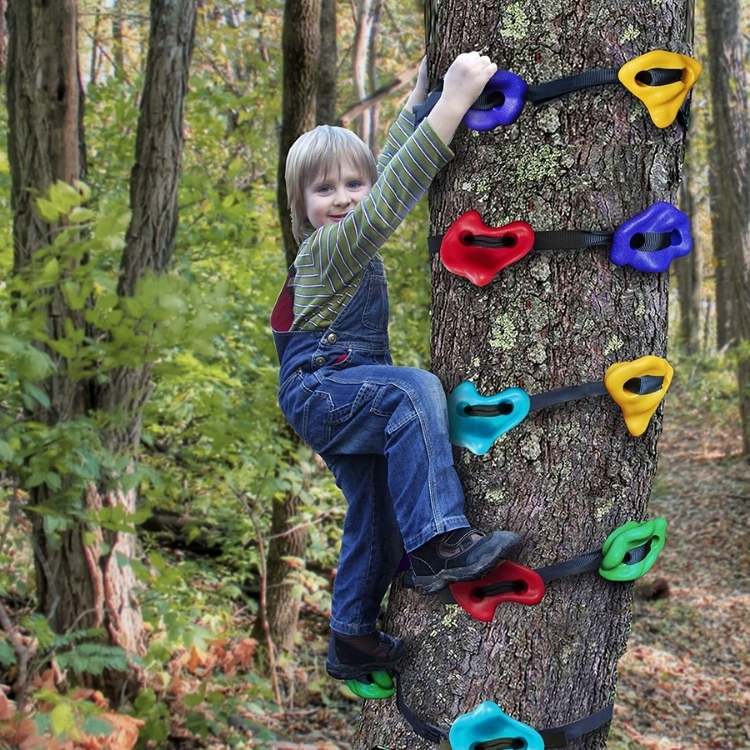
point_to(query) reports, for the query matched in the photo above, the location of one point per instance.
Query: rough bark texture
(689, 273)
(301, 54)
(728, 54)
(565, 477)
(282, 604)
(79, 580)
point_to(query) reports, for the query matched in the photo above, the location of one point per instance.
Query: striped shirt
(331, 260)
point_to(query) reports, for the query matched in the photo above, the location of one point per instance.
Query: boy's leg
(371, 546)
(402, 413)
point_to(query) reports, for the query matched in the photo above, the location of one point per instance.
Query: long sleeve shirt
(331, 260)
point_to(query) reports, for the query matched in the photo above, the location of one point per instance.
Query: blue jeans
(383, 432)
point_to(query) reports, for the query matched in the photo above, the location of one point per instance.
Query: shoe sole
(434, 583)
(360, 671)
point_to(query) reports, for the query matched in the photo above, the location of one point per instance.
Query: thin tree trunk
(372, 77)
(3, 38)
(725, 328)
(689, 273)
(94, 64)
(368, 12)
(328, 64)
(728, 55)
(118, 48)
(565, 477)
(301, 55)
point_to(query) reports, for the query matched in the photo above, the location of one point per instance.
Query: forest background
(216, 457)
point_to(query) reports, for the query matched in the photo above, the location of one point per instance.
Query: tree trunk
(328, 64)
(368, 12)
(301, 55)
(727, 52)
(282, 602)
(3, 38)
(565, 477)
(689, 273)
(725, 328)
(372, 78)
(118, 47)
(80, 579)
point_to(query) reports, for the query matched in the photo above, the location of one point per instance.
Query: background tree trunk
(118, 46)
(568, 476)
(725, 328)
(80, 582)
(689, 273)
(728, 53)
(301, 54)
(368, 12)
(328, 65)
(3, 37)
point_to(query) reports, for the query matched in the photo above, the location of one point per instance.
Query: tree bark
(118, 47)
(301, 55)
(689, 273)
(368, 12)
(301, 39)
(728, 57)
(80, 580)
(328, 65)
(565, 477)
(3, 38)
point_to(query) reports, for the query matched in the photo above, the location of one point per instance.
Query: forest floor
(684, 682)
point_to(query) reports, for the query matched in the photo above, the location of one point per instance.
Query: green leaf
(62, 719)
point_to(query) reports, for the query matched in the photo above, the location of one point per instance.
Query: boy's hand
(466, 78)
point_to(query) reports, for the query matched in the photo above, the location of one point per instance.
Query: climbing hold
(508, 582)
(621, 380)
(479, 260)
(616, 564)
(477, 421)
(500, 103)
(630, 236)
(641, 75)
(489, 722)
(379, 687)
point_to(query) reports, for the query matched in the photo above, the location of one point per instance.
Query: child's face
(330, 197)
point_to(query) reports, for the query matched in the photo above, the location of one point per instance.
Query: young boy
(381, 429)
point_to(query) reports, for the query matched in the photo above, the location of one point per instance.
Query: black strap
(587, 563)
(429, 732)
(561, 736)
(553, 737)
(640, 386)
(563, 240)
(551, 90)
(568, 393)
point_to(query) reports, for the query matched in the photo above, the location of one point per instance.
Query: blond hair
(316, 154)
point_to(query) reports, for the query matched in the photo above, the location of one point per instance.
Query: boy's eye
(355, 184)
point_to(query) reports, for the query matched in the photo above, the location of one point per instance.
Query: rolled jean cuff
(346, 628)
(446, 524)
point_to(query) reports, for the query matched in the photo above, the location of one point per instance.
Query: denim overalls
(383, 432)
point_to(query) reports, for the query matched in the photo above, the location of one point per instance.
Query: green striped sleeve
(331, 261)
(400, 131)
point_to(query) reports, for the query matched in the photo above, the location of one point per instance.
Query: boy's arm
(402, 128)
(336, 253)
